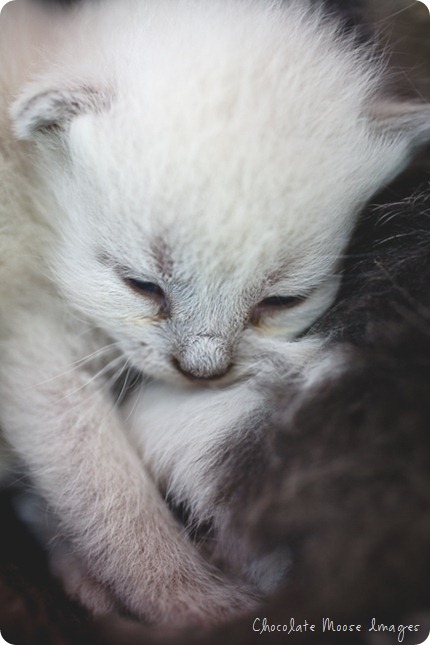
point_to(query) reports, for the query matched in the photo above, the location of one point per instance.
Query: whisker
(76, 364)
(126, 367)
(93, 378)
(130, 413)
(125, 384)
(396, 13)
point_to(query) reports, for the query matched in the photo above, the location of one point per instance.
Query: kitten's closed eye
(280, 301)
(148, 289)
(274, 304)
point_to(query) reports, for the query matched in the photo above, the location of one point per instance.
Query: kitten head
(208, 184)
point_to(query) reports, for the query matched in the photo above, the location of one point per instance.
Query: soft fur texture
(198, 148)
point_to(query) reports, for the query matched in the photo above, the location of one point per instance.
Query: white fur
(218, 149)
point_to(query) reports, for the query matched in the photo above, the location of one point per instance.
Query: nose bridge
(204, 333)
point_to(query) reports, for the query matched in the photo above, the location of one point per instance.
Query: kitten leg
(64, 427)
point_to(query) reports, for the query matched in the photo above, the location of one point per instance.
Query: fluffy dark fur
(33, 607)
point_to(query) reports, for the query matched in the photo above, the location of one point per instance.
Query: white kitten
(187, 176)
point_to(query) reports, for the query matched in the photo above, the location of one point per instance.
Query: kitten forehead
(220, 199)
(248, 132)
(215, 94)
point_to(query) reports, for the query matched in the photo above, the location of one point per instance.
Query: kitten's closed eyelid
(273, 304)
(281, 301)
(148, 289)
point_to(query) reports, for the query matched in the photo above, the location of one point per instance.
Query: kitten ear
(404, 120)
(52, 110)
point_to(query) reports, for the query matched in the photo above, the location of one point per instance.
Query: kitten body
(174, 176)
